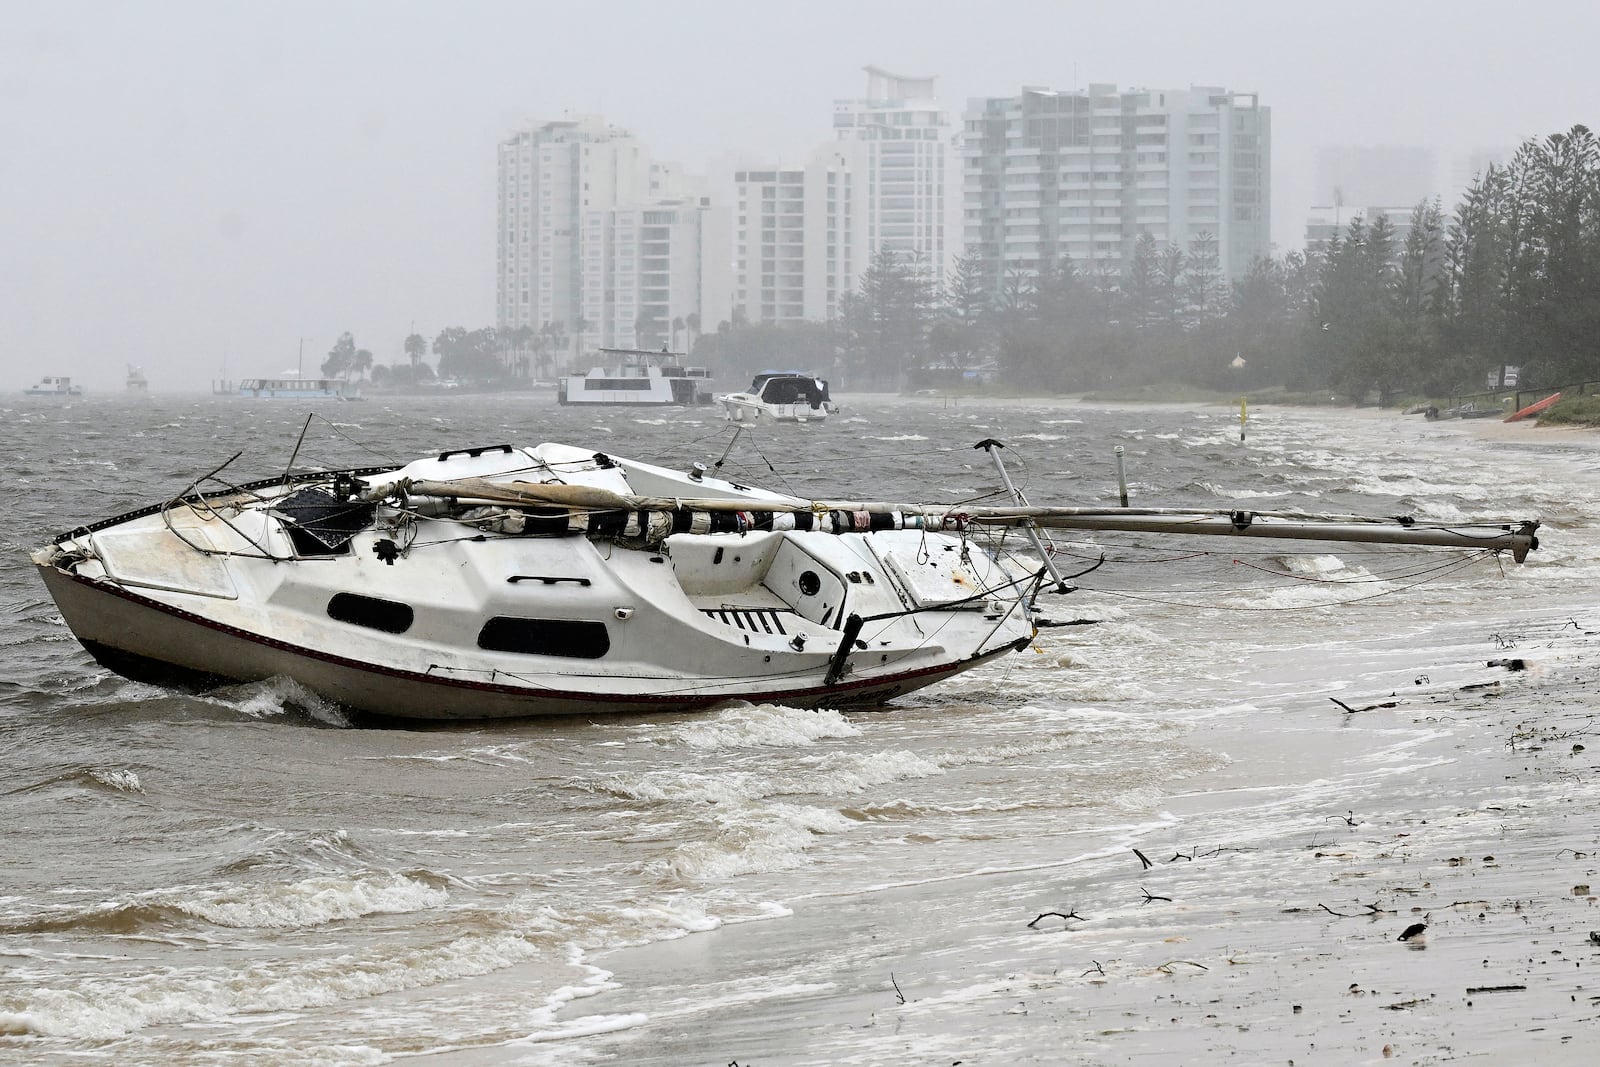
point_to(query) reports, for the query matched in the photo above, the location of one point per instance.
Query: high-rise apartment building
(795, 249)
(561, 182)
(1085, 173)
(888, 181)
(903, 146)
(653, 273)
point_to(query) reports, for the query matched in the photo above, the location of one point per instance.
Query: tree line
(1508, 278)
(490, 356)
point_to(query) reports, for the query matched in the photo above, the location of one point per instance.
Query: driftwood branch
(1166, 968)
(1059, 915)
(1096, 969)
(1149, 896)
(1196, 854)
(899, 996)
(1372, 909)
(1402, 1005)
(1369, 707)
(1143, 859)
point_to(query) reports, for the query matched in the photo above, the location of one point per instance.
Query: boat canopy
(790, 387)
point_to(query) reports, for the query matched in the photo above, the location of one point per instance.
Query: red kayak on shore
(1534, 408)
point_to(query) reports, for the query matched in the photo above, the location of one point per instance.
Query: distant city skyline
(188, 182)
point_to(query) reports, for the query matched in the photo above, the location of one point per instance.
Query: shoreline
(1261, 930)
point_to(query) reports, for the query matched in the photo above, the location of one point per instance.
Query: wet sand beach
(1261, 932)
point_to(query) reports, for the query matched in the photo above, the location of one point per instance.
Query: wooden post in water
(1242, 416)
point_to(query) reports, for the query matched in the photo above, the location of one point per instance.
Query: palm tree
(552, 337)
(340, 357)
(416, 348)
(362, 362)
(677, 328)
(521, 339)
(647, 329)
(691, 323)
(580, 326)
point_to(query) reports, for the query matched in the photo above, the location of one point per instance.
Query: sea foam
(765, 725)
(313, 902)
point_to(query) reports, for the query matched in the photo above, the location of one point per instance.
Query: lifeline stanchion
(991, 446)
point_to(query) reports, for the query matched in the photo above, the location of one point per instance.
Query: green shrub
(1578, 411)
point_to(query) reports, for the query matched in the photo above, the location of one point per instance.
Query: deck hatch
(320, 523)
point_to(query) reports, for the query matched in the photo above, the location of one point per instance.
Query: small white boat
(137, 382)
(510, 581)
(780, 396)
(55, 385)
(639, 378)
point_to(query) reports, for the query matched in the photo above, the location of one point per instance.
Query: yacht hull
(146, 640)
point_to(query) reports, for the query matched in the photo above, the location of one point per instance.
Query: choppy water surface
(246, 876)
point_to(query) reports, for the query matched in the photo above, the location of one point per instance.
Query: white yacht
(780, 396)
(507, 581)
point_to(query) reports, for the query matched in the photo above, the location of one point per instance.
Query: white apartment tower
(1085, 173)
(888, 181)
(549, 175)
(794, 243)
(555, 180)
(654, 273)
(903, 148)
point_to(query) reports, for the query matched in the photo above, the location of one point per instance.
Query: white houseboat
(638, 377)
(55, 386)
(299, 389)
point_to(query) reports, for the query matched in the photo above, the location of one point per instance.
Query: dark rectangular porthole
(387, 615)
(545, 637)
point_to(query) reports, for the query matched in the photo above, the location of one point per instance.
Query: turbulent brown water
(248, 876)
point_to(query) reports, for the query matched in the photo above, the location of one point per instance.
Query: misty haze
(210, 196)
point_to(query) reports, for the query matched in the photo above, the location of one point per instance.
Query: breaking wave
(298, 905)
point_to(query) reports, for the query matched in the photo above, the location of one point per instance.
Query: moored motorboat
(1469, 410)
(780, 396)
(508, 581)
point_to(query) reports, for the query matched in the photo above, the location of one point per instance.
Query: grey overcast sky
(183, 183)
